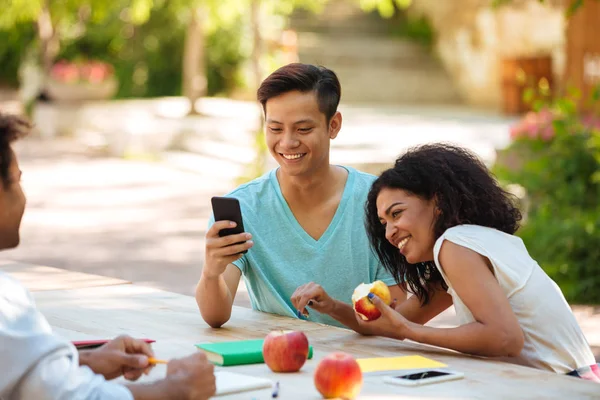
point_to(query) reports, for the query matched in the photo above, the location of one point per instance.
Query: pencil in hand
(152, 360)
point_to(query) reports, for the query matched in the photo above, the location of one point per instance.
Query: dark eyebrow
(303, 121)
(272, 121)
(392, 206)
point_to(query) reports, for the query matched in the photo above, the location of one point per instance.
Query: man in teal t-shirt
(304, 221)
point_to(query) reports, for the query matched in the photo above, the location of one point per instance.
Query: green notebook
(237, 352)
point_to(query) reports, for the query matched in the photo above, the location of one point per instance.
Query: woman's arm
(412, 310)
(496, 330)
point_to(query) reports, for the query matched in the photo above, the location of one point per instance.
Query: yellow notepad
(397, 363)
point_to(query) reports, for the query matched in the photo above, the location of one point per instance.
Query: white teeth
(403, 242)
(292, 156)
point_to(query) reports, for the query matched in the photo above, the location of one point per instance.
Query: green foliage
(66, 12)
(136, 51)
(13, 47)
(224, 59)
(143, 41)
(558, 151)
(386, 8)
(286, 7)
(15, 12)
(416, 29)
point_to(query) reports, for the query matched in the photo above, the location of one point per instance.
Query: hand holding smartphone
(228, 209)
(423, 377)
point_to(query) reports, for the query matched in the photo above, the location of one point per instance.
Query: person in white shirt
(439, 219)
(36, 364)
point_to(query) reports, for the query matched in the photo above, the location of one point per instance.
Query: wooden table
(41, 277)
(174, 322)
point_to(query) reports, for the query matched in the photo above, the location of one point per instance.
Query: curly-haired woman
(440, 222)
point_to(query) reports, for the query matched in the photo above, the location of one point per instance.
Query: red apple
(363, 306)
(338, 375)
(285, 351)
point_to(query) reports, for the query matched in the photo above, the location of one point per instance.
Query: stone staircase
(373, 66)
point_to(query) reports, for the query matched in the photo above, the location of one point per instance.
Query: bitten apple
(285, 351)
(363, 306)
(338, 375)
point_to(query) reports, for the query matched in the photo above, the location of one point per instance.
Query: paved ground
(145, 221)
(140, 221)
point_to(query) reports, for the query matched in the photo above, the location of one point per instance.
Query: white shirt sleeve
(36, 364)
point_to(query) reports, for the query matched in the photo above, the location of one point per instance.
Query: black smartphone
(228, 208)
(423, 377)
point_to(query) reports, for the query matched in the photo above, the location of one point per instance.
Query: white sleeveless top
(553, 339)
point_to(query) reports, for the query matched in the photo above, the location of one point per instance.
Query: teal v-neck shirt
(285, 257)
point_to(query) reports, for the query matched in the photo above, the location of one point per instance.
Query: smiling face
(409, 222)
(298, 134)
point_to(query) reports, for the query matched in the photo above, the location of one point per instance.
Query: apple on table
(285, 351)
(338, 375)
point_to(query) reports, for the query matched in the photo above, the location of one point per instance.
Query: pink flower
(535, 125)
(65, 72)
(91, 71)
(591, 122)
(96, 72)
(547, 133)
(532, 130)
(514, 132)
(545, 116)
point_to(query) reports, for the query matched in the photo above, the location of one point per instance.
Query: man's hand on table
(193, 377)
(122, 356)
(189, 378)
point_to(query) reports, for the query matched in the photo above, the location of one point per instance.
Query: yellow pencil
(153, 360)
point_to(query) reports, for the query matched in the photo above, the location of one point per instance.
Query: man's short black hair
(12, 128)
(304, 78)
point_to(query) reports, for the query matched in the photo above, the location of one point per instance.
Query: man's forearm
(84, 357)
(214, 300)
(163, 389)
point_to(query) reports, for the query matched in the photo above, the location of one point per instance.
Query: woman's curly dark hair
(12, 128)
(465, 192)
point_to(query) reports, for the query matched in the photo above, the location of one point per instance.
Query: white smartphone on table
(423, 377)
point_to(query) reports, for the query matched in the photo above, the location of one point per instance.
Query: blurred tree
(12, 51)
(67, 21)
(386, 8)
(104, 30)
(202, 17)
(194, 73)
(54, 19)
